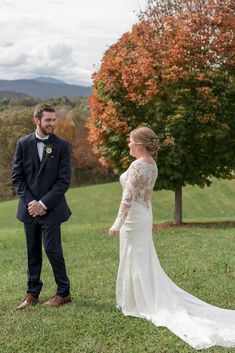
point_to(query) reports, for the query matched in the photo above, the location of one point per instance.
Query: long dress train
(143, 288)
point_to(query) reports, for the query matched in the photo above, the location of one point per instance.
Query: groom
(41, 176)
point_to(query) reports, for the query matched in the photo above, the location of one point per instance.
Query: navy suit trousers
(50, 234)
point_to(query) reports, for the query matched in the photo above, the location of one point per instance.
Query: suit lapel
(44, 156)
(35, 152)
(43, 162)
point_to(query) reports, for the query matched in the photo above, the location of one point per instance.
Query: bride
(143, 288)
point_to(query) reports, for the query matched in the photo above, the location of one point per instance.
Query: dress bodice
(137, 183)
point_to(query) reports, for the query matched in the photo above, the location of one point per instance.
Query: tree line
(16, 120)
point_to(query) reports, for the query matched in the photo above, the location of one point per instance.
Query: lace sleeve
(132, 185)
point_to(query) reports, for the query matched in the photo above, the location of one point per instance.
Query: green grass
(200, 260)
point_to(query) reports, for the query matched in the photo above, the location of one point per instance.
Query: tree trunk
(178, 206)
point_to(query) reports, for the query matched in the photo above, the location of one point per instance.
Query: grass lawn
(200, 260)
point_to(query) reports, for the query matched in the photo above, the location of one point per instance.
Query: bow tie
(45, 141)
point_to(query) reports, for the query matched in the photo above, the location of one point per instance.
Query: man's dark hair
(41, 108)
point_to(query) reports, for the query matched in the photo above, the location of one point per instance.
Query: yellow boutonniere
(48, 150)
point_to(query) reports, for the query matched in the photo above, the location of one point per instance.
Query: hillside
(99, 203)
(12, 94)
(38, 89)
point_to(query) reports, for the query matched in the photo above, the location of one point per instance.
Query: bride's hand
(112, 232)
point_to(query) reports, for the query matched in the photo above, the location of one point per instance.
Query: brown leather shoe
(28, 300)
(57, 301)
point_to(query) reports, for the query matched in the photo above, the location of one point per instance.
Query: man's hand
(35, 209)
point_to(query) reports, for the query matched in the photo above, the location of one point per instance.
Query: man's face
(47, 123)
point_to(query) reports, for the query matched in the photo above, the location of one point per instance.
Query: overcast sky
(64, 39)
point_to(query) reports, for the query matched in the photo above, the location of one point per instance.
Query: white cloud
(7, 44)
(61, 38)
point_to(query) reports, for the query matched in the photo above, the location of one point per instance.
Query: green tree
(13, 124)
(174, 73)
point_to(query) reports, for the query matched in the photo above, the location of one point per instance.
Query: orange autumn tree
(87, 169)
(174, 73)
(66, 129)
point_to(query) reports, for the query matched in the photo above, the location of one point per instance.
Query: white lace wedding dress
(143, 288)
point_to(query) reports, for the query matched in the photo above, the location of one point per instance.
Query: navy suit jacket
(47, 180)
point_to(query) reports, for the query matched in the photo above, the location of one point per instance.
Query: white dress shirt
(41, 147)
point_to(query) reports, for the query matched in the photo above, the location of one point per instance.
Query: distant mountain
(11, 94)
(43, 90)
(46, 79)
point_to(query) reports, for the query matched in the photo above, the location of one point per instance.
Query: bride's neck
(144, 155)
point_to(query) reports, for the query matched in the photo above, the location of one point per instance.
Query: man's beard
(45, 132)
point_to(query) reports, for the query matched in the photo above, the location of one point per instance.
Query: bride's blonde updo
(146, 136)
